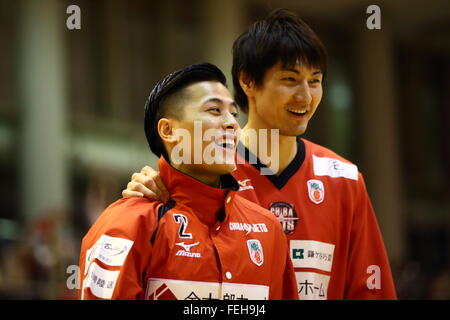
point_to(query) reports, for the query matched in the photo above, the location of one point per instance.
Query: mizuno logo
(243, 185)
(187, 247)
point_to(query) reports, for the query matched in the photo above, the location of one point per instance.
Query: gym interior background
(71, 119)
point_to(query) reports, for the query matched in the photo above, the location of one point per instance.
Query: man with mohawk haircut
(144, 249)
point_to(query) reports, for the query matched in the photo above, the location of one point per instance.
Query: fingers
(147, 182)
(164, 194)
(128, 193)
(140, 190)
(148, 171)
(156, 177)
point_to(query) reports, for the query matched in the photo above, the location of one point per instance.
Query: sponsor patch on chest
(169, 289)
(312, 254)
(312, 286)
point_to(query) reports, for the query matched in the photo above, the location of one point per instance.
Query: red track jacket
(207, 243)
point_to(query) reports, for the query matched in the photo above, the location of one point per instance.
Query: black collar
(278, 180)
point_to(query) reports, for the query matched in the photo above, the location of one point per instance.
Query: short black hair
(155, 108)
(282, 36)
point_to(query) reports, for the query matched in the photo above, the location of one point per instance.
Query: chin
(293, 132)
(222, 169)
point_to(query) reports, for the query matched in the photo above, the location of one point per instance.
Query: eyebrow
(298, 72)
(217, 100)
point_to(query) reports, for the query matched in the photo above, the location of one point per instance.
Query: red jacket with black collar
(322, 204)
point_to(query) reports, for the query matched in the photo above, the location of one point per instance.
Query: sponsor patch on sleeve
(312, 254)
(101, 281)
(110, 250)
(334, 168)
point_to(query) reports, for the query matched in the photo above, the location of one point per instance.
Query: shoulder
(321, 151)
(254, 211)
(127, 211)
(127, 218)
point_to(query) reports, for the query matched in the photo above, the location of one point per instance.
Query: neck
(191, 170)
(274, 150)
(189, 192)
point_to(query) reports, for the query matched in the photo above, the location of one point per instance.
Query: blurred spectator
(34, 267)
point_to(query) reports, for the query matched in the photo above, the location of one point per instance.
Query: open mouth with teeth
(228, 145)
(299, 113)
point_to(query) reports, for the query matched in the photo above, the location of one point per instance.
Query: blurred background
(71, 119)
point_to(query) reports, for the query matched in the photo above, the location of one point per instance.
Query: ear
(165, 130)
(246, 84)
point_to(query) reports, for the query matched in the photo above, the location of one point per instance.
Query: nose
(303, 93)
(229, 122)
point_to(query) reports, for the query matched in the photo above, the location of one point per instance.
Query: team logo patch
(285, 213)
(256, 251)
(316, 191)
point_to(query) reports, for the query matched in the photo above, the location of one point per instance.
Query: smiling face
(206, 133)
(287, 98)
